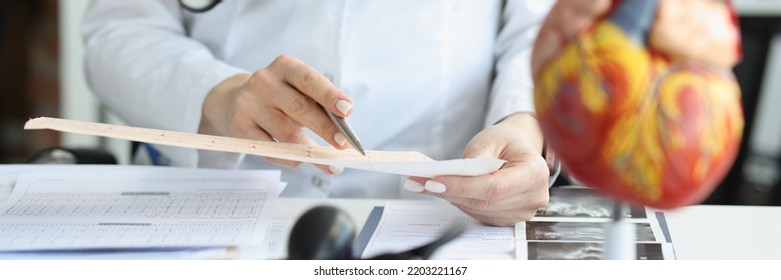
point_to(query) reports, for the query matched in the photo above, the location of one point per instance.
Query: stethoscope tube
(198, 6)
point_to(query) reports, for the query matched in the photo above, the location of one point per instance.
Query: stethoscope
(198, 6)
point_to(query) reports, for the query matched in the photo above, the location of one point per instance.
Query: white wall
(766, 134)
(761, 167)
(76, 101)
(758, 7)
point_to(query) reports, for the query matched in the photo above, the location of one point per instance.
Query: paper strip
(403, 163)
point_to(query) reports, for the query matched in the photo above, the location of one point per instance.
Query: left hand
(511, 194)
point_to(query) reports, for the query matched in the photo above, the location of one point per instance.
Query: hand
(273, 104)
(566, 19)
(690, 30)
(697, 30)
(511, 194)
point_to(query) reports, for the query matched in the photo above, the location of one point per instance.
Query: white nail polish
(343, 106)
(413, 186)
(335, 169)
(340, 139)
(435, 187)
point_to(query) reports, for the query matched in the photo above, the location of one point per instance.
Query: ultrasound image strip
(580, 231)
(586, 251)
(583, 203)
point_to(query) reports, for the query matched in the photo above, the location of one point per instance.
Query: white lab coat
(423, 75)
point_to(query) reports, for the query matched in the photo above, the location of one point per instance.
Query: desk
(703, 232)
(707, 232)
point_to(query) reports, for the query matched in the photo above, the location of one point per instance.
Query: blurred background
(42, 75)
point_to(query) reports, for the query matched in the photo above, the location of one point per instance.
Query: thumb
(473, 151)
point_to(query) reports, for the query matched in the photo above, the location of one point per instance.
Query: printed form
(405, 226)
(151, 208)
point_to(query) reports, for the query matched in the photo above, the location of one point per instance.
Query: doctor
(450, 79)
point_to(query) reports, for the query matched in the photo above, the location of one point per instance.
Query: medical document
(405, 226)
(573, 226)
(149, 208)
(409, 163)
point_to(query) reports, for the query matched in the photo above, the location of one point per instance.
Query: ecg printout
(9, 173)
(5, 189)
(163, 207)
(405, 226)
(393, 162)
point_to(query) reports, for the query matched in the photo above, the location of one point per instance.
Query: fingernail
(435, 187)
(343, 106)
(339, 138)
(335, 169)
(413, 186)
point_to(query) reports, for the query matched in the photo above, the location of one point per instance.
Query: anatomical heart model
(637, 97)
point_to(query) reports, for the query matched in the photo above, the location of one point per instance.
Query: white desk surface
(703, 232)
(707, 232)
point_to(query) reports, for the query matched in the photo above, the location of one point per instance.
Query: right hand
(274, 103)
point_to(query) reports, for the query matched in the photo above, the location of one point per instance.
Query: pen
(346, 130)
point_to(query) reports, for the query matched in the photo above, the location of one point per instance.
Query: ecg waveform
(189, 205)
(53, 236)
